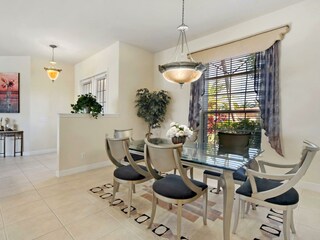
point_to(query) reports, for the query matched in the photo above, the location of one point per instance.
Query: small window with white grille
(97, 85)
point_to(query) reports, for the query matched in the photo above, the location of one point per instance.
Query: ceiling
(81, 28)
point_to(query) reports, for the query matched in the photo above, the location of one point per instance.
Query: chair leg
(254, 206)
(154, 208)
(191, 172)
(205, 178)
(248, 207)
(131, 185)
(179, 216)
(287, 215)
(115, 190)
(218, 186)
(293, 229)
(134, 188)
(174, 171)
(242, 208)
(205, 206)
(237, 213)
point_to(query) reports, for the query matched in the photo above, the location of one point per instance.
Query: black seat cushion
(288, 198)
(128, 173)
(239, 175)
(135, 157)
(172, 186)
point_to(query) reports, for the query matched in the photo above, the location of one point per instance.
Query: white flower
(172, 124)
(177, 130)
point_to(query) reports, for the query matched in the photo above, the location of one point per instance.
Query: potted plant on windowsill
(87, 103)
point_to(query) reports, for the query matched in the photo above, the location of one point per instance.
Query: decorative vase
(86, 110)
(176, 140)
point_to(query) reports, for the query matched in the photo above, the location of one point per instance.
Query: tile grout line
(4, 228)
(46, 205)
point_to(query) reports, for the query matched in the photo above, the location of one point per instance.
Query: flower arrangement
(177, 130)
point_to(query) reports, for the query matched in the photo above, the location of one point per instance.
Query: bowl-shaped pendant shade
(182, 72)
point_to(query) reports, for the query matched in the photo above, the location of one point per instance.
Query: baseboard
(309, 186)
(80, 169)
(39, 152)
(31, 153)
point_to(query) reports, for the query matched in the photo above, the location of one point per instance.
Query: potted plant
(87, 103)
(152, 107)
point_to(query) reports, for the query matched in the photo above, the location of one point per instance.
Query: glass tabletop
(206, 156)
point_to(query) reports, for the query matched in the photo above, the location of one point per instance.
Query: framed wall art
(9, 92)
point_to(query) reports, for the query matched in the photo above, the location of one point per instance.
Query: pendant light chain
(182, 12)
(182, 70)
(52, 55)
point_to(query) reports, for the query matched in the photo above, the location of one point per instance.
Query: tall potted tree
(152, 107)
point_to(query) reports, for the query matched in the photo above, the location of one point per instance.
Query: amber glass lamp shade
(53, 73)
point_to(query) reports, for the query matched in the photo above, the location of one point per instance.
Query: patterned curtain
(268, 94)
(196, 92)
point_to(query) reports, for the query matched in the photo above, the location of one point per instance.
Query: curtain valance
(251, 44)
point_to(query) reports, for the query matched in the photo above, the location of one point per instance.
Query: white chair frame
(289, 180)
(154, 158)
(117, 149)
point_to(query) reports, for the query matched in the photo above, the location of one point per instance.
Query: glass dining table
(209, 157)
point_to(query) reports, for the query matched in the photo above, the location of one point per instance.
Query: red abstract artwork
(9, 92)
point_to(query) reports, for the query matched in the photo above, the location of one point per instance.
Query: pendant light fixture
(183, 69)
(52, 71)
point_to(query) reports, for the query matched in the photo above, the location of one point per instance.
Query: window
(230, 98)
(97, 85)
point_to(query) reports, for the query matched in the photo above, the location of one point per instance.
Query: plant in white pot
(87, 103)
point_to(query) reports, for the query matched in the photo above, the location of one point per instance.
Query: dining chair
(275, 190)
(230, 143)
(127, 133)
(190, 141)
(117, 150)
(171, 188)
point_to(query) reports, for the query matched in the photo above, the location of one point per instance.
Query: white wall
(129, 68)
(136, 71)
(40, 101)
(47, 99)
(300, 80)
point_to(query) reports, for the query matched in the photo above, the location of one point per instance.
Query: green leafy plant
(87, 103)
(152, 106)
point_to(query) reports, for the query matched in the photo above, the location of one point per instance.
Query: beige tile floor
(34, 204)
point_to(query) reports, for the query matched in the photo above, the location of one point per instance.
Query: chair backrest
(164, 158)
(118, 149)
(123, 133)
(308, 153)
(237, 143)
(115, 150)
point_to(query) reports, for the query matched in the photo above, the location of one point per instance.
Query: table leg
(14, 144)
(228, 198)
(4, 146)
